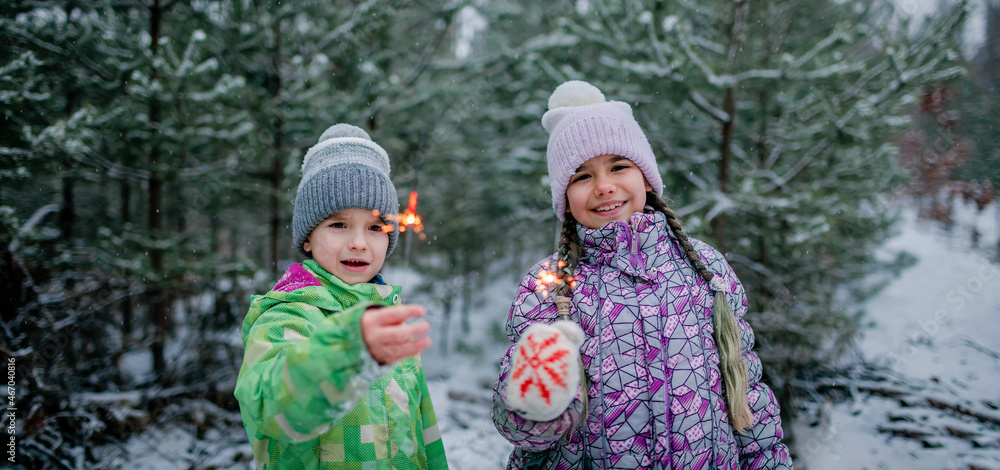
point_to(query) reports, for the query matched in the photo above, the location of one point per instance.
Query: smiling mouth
(354, 263)
(609, 207)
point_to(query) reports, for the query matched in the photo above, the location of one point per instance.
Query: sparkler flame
(410, 218)
(549, 280)
(411, 208)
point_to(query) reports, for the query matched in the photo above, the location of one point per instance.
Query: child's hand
(545, 370)
(388, 338)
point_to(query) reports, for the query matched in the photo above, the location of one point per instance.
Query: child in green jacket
(331, 375)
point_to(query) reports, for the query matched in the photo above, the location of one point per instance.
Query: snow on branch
(691, 208)
(820, 46)
(30, 224)
(837, 69)
(799, 166)
(14, 152)
(683, 34)
(769, 74)
(360, 14)
(661, 49)
(699, 100)
(698, 182)
(585, 33)
(721, 204)
(862, 82)
(548, 41)
(114, 170)
(644, 68)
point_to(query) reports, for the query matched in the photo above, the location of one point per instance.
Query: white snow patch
(936, 327)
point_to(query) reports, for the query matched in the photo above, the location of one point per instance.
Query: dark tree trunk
(446, 306)
(277, 165)
(467, 290)
(126, 218)
(718, 224)
(176, 205)
(992, 45)
(67, 215)
(157, 301)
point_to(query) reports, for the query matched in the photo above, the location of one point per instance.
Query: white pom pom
(338, 131)
(575, 93)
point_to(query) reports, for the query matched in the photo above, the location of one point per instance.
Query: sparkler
(408, 219)
(549, 280)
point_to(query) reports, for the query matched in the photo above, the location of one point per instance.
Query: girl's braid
(569, 253)
(675, 224)
(727, 333)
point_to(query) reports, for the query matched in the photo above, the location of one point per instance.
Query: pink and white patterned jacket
(654, 386)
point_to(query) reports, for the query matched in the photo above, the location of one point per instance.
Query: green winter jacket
(311, 395)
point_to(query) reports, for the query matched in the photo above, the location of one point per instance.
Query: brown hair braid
(727, 335)
(569, 253)
(735, 377)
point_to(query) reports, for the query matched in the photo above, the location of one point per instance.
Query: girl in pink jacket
(630, 349)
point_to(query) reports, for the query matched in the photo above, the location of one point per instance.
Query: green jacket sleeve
(302, 370)
(433, 445)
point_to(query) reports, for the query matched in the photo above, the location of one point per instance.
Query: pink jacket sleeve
(529, 306)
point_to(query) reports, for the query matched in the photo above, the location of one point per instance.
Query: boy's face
(606, 188)
(350, 244)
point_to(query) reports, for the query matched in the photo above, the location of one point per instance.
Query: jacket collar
(375, 291)
(313, 284)
(634, 247)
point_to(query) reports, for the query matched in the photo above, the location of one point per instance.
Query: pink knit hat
(581, 126)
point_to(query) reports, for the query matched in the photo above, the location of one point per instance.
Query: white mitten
(545, 370)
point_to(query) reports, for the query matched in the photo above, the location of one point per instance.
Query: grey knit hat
(344, 170)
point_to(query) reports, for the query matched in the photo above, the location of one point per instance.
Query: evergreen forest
(150, 151)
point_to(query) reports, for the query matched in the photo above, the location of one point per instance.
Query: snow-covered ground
(934, 340)
(937, 329)
(462, 386)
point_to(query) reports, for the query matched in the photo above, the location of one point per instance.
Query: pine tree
(102, 106)
(774, 123)
(480, 154)
(800, 100)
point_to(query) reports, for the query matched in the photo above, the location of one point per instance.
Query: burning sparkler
(410, 218)
(407, 219)
(549, 279)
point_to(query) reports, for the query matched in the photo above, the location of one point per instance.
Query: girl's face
(350, 245)
(606, 188)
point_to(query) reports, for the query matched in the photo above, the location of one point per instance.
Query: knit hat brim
(350, 186)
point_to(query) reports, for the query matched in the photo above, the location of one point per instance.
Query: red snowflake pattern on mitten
(536, 365)
(546, 371)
